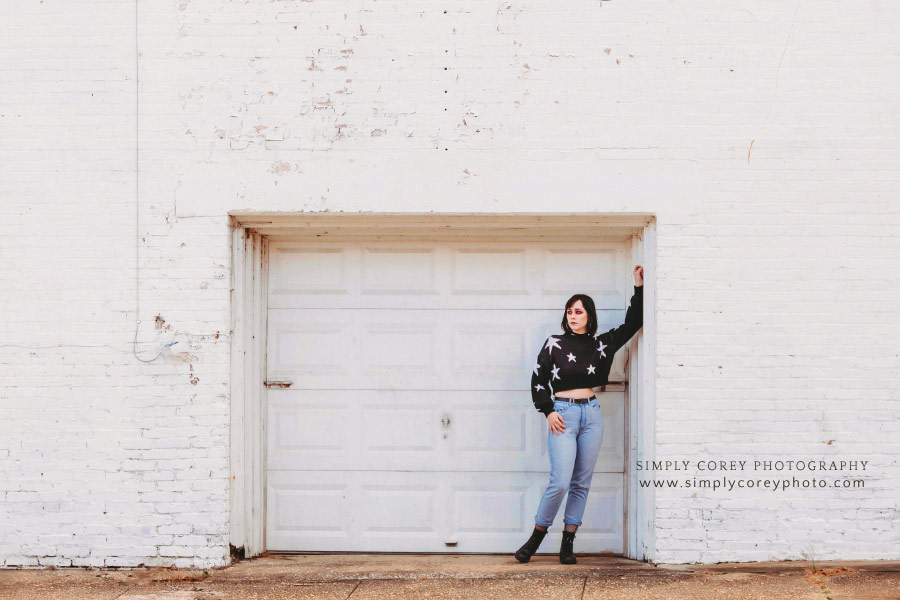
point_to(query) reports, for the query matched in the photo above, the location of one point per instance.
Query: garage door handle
(279, 384)
(614, 386)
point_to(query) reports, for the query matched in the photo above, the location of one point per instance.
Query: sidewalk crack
(128, 589)
(358, 581)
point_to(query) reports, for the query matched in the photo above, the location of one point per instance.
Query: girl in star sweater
(570, 365)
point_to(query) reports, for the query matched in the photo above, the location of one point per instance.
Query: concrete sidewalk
(380, 576)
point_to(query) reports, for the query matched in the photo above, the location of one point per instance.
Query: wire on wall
(137, 192)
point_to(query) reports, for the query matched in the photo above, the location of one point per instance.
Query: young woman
(571, 365)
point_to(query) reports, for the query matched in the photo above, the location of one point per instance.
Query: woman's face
(577, 317)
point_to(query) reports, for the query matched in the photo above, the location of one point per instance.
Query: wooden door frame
(249, 248)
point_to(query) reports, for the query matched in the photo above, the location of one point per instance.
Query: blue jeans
(572, 458)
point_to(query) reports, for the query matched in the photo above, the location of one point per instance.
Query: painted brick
(777, 296)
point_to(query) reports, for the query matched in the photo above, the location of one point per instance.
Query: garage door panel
(398, 271)
(411, 349)
(398, 507)
(319, 348)
(308, 429)
(315, 432)
(380, 510)
(300, 347)
(451, 276)
(385, 511)
(488, 430)
(329, 430)
(421, 430)
(412, 430)
(308, 508)
(571, 270)
(400, 428)
(478, 271)
(495, 345)
(411, 345)
(309, 272)
(490, 509)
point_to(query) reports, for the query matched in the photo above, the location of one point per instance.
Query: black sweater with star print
(570, 360)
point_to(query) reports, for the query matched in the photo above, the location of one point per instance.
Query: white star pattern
(538, 387)
(571, 357)
(536, 367)
(552, 343)
(591, 369)
(600, 348)
(555, 370)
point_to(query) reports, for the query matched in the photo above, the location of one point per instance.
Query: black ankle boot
(566, 556)
(524, 553)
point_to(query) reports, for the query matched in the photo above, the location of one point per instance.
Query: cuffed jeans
(572, 458)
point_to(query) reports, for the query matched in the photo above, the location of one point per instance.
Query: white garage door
(409, 424)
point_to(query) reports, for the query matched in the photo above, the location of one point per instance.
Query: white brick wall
(777, 289)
